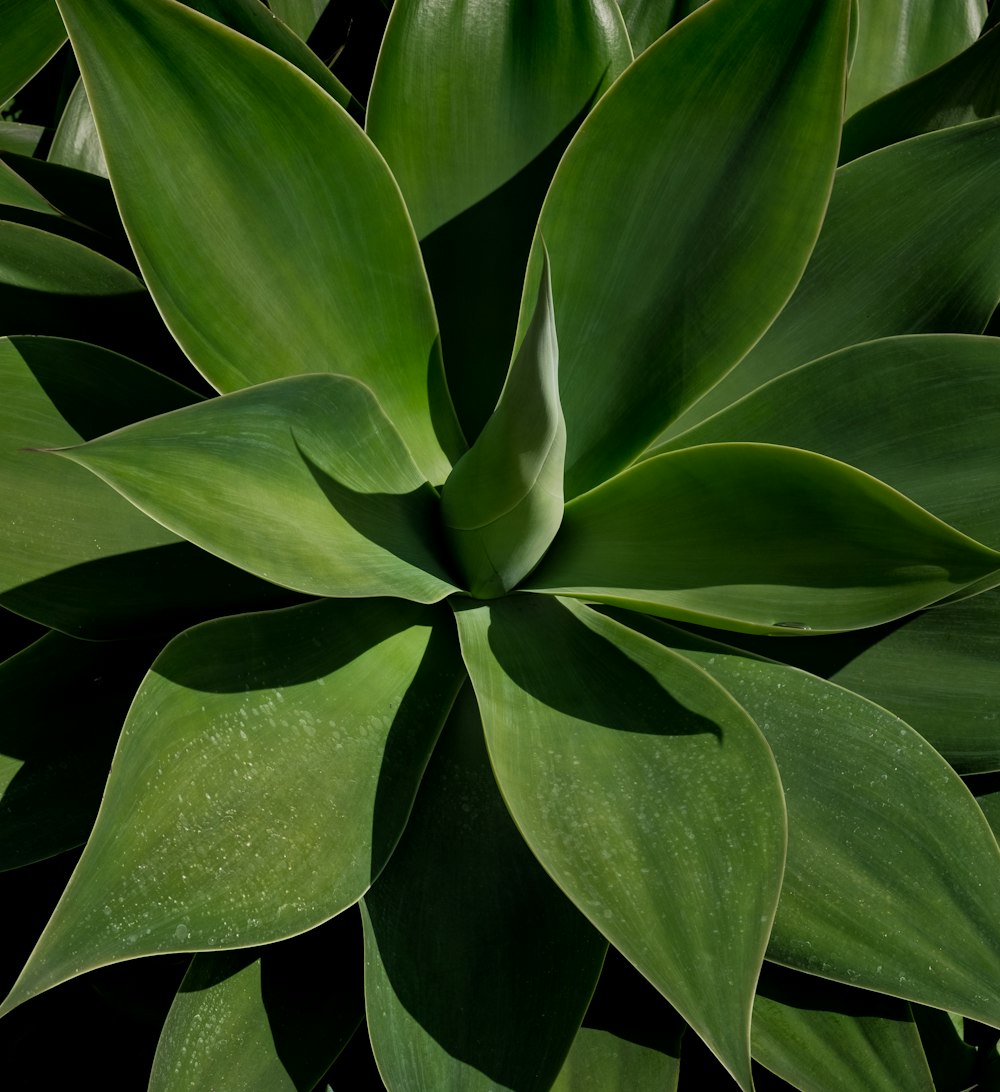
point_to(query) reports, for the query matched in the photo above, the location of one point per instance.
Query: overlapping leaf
(265, 772)
(32, 32)
(602, 1062)
(646, 793)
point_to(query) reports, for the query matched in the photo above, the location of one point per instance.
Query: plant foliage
(490, 465)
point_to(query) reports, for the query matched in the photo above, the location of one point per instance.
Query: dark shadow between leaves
(808, 992)
(546, 651)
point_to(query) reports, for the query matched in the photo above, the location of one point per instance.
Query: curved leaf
(76, 143)
(920, 413)
(898, 42)
(300, 15)
(32, 32)
(472, 106)
(264, 774)
(889, 859)
(16, 136)
(73, 554)
(645, 792)
(911, 244)
(827, 1037)
(304, 259)
(964, 89)
(707, 208)
(464, 905)
(759, 538)
(261, 1020)
(503, 502)
(602, 1062)
(302, 481)
(15, 191)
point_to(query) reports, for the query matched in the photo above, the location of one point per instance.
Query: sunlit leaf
(264, 774)
(76, 143)
(464, 904)
(602, 1062)
(301, 481)
(646, 793)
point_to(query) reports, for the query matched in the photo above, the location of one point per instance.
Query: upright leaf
(709, 207)
(646, 793)
(263, 777)
(759, 538)
(76, 143)
(472, 106)
(303, 260)
(464, 905)
(602, 1062)
(32, 32)
(503, 502)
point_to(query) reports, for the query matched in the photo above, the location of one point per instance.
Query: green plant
(630, 668)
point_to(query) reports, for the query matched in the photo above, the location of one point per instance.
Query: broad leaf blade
(759, 538)
(15, 191)
(503, 502)
(464, 905)
(472, 106)
(911, 244)
(920, 413)
(301, 481)
(645, 792)
(262, 1020)
(304, 259)
(32, 32)
(602, 1062)
(300, 15)
(76, 143)
(898, 42)
(264, 774)
(709, 208)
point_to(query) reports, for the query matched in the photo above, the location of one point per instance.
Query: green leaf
(56, 742)
(503, 502)
(646, 793)
(759, 538)
(708, 208)
(304, 260)
(888, 857)
(602, 1062)
(920, 413)
(76, 143)
(263, 777)
(33, 261)
(302, 481)
(898, 42)
(15, 136)
(300, 15)
(963, 89)
(73, 554)
(951, 1060)
(15, 191)
(828, 1037)
(472, 106)
(464, 905)
(911, 244)
(32, 32)
(261, 1020)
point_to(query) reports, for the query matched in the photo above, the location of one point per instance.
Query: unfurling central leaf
(503, 503)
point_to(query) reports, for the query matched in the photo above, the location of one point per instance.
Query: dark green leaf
(32, 32)
(602, 1062)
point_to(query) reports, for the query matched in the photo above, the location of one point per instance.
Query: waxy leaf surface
(602, 1062)
(302, 481)
(303, 260)
(463, 904)
(76, 143)
(264, 774)
(647, 794)
(758, 538)
(701, 178)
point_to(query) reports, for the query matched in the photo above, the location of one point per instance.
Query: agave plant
(575, 546)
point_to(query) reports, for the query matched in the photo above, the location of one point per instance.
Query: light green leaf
(503, 502)
(646, 793)
(56, 742)
(261, 1020)
(911, 244)
(759, 538)
(73, 554)
(963, 89)
(472, 106)
(264, 774)
(302, 481)
(76, 143)
(32, 32)
(898, 42)
(304, 259)
(920, 413)
(888, 857)
(15, 136)
(300, 15)
(602, 1062)
(708, 208)
(15, 191)
(827, 1037)
(464, 905)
